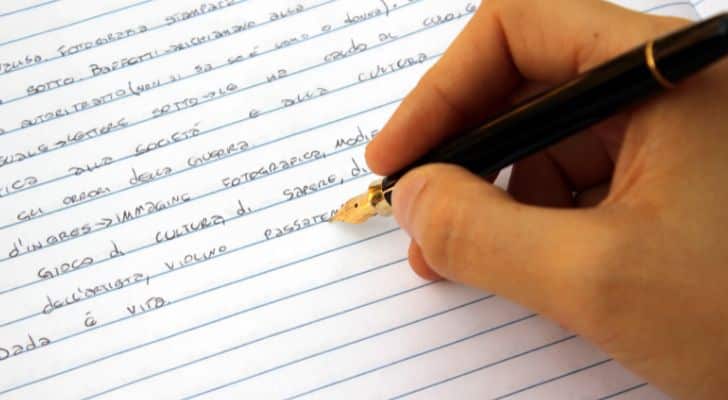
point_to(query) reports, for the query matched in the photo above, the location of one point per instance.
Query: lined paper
(167, 169)
(707, 8)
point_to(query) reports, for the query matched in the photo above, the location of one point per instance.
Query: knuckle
(434, 86)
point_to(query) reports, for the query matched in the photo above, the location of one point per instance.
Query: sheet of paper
(708, 8)
(166, 171)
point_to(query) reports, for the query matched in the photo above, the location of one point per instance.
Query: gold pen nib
(355, 211)
(364, 206)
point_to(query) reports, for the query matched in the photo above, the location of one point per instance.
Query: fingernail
(404, 197)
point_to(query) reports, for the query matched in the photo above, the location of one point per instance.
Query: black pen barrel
(685, 52)
(593, 96)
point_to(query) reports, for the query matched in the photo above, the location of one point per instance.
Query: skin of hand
(637, 261)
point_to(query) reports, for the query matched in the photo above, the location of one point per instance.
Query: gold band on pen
(652, 64)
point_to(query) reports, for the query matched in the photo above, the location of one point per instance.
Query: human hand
(637, 260)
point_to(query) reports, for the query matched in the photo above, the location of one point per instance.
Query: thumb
(472, 232)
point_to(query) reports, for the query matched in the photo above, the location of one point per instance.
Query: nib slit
(355, 211)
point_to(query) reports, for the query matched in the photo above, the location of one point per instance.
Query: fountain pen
(543, 120)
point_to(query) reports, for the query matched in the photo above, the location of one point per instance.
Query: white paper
(708, 8)
(166, 171)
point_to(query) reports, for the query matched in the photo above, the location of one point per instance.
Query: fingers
(537, 180)
(550, 178)
(684, 131)
(578, 162)
(474, 75)
(582, 160)
(419, 265)
(471, 232)
(505, 43)
(592, 196)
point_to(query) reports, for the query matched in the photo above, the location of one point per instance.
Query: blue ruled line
(233, 251)
(238, 91)
(154, 28)
(75, 23)
(130, 94)
(560, 377)
(9, 258)
(144, 247)
(224, 65)
(226, 317)
(20, 10)
(486, 366)
(232, 218)
(556, 378)
(248, 343)
(7, 132)
(621, 392)
(213, 192)
(413, 356)
(11, 100)
(674, 4)
(341, 346)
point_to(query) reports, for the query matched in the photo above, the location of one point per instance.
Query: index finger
(506, 43)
